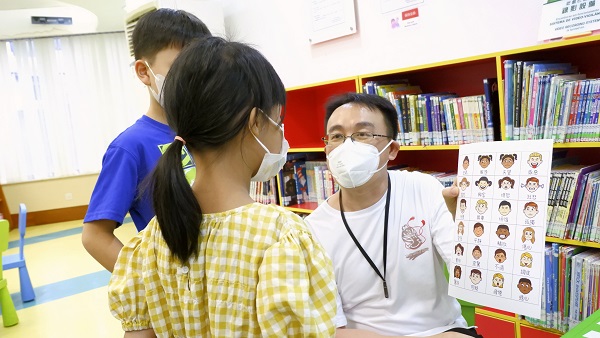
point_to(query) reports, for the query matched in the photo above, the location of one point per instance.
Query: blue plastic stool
(18, 260)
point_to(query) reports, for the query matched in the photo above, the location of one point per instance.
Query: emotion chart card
(500, 224)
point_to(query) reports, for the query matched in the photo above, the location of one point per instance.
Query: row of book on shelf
(574, 201)
(304, 179)
(571, 288)
(550, 100)
(441, 118)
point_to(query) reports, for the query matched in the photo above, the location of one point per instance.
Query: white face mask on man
(352, 164)
(159, 79)
(271, 163)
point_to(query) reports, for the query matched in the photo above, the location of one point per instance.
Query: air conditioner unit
(210, 12)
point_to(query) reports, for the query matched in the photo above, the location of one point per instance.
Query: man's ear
(394, 148)
(142, 72)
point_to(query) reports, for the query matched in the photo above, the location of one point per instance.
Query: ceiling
(110, 13)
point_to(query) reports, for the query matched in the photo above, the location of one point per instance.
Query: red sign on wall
(410, 14)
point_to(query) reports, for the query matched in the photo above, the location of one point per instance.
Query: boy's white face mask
(159, 79)
(352, 164)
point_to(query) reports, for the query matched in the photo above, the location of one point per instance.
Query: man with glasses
(388, 233)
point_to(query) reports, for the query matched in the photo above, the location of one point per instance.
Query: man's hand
(450, 197)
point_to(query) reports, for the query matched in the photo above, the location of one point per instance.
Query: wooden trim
(51, 216)
(323, 83)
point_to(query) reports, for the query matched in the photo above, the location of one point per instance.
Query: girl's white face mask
(352, 164)
(271, 163)
(159, 79)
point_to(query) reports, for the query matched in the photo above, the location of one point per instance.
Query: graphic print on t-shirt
(412, 236)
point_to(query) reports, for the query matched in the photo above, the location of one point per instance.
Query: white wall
(445, 30)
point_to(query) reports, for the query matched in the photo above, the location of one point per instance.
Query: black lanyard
(385, 230)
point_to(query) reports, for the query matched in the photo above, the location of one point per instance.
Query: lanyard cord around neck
(385, 230)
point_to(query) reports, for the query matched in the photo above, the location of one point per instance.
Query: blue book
(509, 97)
(547, 283)
(580, 115)
(555, 249)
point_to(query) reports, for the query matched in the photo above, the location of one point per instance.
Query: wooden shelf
(572, 242)
(305, 208)
(439, 147)
(577, 145)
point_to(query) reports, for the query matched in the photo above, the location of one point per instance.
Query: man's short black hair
(373, 102)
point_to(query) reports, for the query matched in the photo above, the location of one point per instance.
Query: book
(569, 252)
(576, 287)
(492, 108)
(509, 97)
(287, 181)
(554, 102)
(555, 286)
(301, 181)
(584, 173)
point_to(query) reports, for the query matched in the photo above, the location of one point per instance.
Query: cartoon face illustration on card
(457, 272)
(464, 184)
(500, 255)
(532, 184)
(462, 206)
(477, 252)
(483, 183)
(478, 229)
(530, 209)
(506, 183)
(534, 160)
(484, 160)
(507, 160)
(465, 163)
(503, 231)
(528, 235)
(524, 285)
(504, 208)
(526, 260)
(481, 206)
(475, 276)
(459, 249)
(460, 228)
(498, 280)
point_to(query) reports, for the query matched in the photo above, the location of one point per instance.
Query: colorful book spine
(509, 98)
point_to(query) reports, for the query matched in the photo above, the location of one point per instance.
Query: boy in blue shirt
(157, 39)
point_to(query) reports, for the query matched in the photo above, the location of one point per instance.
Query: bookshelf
(305, 116)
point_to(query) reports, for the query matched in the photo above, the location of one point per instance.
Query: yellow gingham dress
(259, 273)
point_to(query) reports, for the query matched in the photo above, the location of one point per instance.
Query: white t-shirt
(419, 241)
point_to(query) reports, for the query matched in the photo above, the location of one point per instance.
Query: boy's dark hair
(212, 87)
(503, 226)
(478, 225)
(165, 28)
(524, 280)
(504, 203)
(500, 251)
(483, 179)
(476, 271)
(373, 102)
